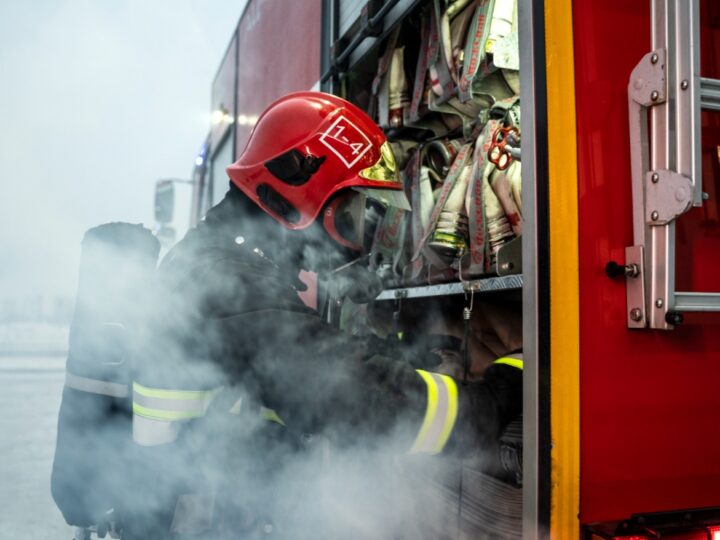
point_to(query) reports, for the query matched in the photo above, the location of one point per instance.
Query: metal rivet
(684, 85)
(655, 95)
(655, 178)
(654, 216)
(654, 58)
(659, 303)
(705, 196)
(636, 314)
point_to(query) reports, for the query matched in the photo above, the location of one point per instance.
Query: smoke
(94, 111)
(98, 101)
(331, 461)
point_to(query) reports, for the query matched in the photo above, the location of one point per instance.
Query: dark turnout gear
(238, 389)
(236, 377)
(232, 333)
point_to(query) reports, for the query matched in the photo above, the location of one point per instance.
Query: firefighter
(232, 336)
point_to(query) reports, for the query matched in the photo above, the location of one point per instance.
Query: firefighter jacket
(230, 332)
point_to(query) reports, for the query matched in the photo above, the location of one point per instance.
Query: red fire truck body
(275, 50)
(648, 404)
(621, 406)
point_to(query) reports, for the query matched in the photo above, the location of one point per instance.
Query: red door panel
(279, 52)
(650, 403)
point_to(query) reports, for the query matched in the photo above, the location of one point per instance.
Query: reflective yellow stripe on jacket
(514, 360)
(170, 404)
(157, 412)
(271, 416)
(440, 414)
(442, 408)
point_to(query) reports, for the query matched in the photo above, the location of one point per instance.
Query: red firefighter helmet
(308, 146)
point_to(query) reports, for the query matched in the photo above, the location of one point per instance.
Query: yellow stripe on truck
(564, 272)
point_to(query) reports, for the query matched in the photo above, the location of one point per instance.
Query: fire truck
(613, 253)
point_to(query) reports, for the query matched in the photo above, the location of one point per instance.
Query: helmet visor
(385, 169)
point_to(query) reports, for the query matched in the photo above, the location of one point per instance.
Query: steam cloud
(315, 477)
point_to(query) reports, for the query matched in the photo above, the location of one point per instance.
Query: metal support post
(665, 96)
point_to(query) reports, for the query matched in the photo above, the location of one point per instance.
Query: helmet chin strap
(354, 281)
(322, 254)
(358, 260)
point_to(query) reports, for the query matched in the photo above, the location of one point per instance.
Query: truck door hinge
(668, 195)
(648, 85)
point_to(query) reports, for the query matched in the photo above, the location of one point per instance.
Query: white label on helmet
(346, 141)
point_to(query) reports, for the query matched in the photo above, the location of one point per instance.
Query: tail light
(694, 524)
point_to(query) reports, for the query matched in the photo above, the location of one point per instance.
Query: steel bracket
(635, 288)
(648, 84)
(665, 97)
(668, 195)
(509, 257)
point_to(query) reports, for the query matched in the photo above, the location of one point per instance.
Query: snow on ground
(29, 401)
(33, 339)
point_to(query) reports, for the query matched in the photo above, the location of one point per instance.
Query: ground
(29, 401)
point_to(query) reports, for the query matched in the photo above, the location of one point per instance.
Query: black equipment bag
(94, 436)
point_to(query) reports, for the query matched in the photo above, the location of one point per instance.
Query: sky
(98, 99)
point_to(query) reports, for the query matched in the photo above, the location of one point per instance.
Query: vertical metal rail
(660, 240)
(666, 163)
(536, 411)
(687, 92)
(330, 29)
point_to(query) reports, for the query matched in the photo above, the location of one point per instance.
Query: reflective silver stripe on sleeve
(154, 432)
(440, 414)
(96, 386)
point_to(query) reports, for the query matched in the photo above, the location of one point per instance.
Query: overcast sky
(98, 99)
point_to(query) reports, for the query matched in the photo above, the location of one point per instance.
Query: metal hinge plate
(668, 195)
(635, 287)
(648, 85)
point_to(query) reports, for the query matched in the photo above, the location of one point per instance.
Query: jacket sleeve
(319, 379)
